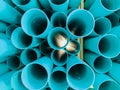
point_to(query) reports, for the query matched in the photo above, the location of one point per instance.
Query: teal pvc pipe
(6, 13)
(116, 59)
(3, 26)
(114, 18)
(74, 3)
(10, 29)
(104, 7)
(78, 24)
(35, 23)
(114, 72)
(107, 45)
(58, 19)
(116, 31)
(58, 79)
(36, 75)
(88, 4)
(6, 47)
(59, 57)
(26, 4)
(45, 48)
(99, 63)
(104, 82)
(69, 88)
(73, 47)
(4, 68)
(69, 11)
(14, 62)
(2, 59)
(29, 55)
(102, 26)
(80, 76)
(44, 3)
(5, 80)
(21, 40)
(59, 5)
(58, 38)
(16, 82)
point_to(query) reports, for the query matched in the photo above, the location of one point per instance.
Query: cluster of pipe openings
(39, 45)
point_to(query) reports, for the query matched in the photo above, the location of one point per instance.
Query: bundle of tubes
(39, 45)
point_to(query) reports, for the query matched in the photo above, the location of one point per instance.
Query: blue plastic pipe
(6, 13)
(6, 47)
(58, 19)
(79, 75)
(107, 45)
(21, 40)
(74, 3)
(104, 82)
(36, 75)
(78, 25)
(99, 63)
(35, 23)
(102, 26)
(3, 26)
(16, 82)
(102, 8)
(4, 68)
(59, 57)
(88, 4)
(44, 3)
(29, 55)
(58, 79)
(58, 38)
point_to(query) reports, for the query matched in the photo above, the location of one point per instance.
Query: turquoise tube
(88, 4)
(104, 7)
(44, 3)
(58, 79)
(58, 19)
(29, 55)
(2, 59)
(59, 5)
(4, 68)
(19, 9)
(14, 62)
(36, 23)
(16, 82)
(79, 75)
(114, 18)
(21, 40)
(36, 75)
(58, 38)
(78, 25)
(114, 72)
(104, 45)
(99, 63)
(116, 31)
(69, 11)
(104, 82)
(10, 29)
(6, 47)
(74, 3)
(45, 48)
(59, 57)
(73, 47)
(5, 80)
(26, 4)
(102, 26)
(3, 26)
(6, 13)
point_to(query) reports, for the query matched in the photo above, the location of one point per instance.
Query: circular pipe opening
(59, 57)
(13, 62)
(102, 65)
(38, 74)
